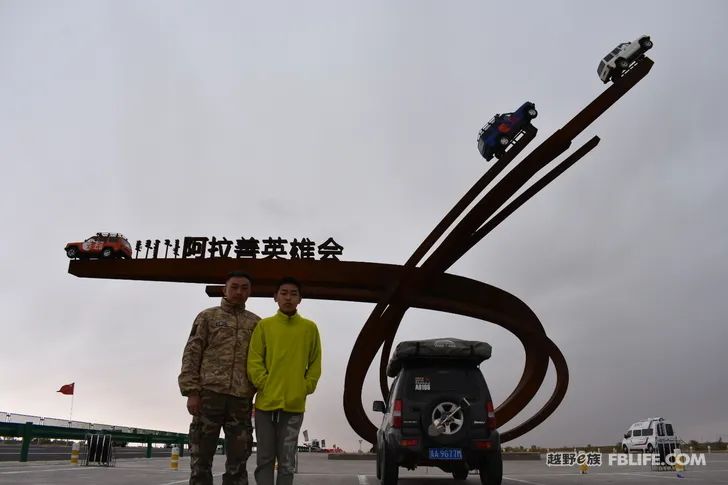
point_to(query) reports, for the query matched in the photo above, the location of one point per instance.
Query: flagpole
(70, 416)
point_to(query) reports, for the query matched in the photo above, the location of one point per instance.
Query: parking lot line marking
(332, 474)
(47, 470)
(362, 479)
(186, 480)
(695, 470)
(522, 481)
(634, 474)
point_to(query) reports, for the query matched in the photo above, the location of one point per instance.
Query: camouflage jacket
(216, 353)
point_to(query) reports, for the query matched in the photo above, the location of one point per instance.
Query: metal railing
(31, 427)
(7, 417)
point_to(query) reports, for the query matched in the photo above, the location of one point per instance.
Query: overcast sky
(358, 120)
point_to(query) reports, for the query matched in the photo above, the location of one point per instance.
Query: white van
(647, 435)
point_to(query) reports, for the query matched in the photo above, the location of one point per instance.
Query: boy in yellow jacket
(284, 365)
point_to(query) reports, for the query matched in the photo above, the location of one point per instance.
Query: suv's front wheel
(491, 470)
(389, 470)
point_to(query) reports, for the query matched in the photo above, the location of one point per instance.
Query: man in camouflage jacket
(214, 379)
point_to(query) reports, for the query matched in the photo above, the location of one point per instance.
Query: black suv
(439, 412)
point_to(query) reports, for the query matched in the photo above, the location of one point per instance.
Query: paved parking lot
(316, 469)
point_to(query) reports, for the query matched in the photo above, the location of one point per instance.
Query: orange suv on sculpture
(103, 245)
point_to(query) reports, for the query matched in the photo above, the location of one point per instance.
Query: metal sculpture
(418, 283)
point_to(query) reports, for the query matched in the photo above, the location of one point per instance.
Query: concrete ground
(316, 469)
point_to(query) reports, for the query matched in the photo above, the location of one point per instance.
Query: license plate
(446, 454)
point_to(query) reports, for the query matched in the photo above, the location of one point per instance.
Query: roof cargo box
(440, 349)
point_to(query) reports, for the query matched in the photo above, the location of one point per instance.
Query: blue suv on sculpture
(502, 130)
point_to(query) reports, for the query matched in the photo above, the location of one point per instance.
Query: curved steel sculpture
(420, 283)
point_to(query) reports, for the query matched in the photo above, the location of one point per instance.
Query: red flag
(67, 389)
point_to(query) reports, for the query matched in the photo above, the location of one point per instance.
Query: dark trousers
(277, 438)
(233, 415)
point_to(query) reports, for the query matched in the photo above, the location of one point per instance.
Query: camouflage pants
(233, 415)
(277, 433)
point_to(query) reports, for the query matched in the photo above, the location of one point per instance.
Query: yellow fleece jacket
(284, 362)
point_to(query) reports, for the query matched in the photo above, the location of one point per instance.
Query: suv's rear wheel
(460, 474)
(650, 448)
(491, 470)
(646, 43)
(107, 253)
(622, 63)
(389, 471)
(532, 112)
